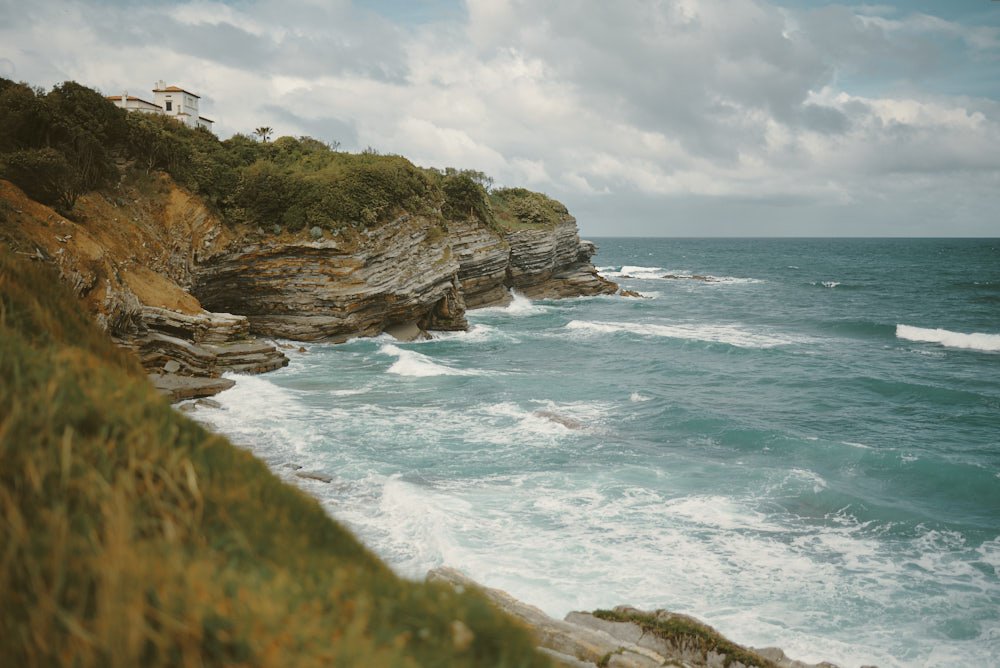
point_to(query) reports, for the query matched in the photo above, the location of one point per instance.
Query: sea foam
(661, 273)
(727, 334)
(975, 341)
(519, 306)
(413, 364)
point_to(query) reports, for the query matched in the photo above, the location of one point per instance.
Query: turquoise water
(803, 450)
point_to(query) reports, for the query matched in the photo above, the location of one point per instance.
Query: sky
(645, 117)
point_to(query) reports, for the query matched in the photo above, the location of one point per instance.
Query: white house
(167, 100)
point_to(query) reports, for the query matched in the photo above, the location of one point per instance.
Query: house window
(170, 105)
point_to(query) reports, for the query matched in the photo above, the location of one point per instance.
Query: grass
(131, 536)
(521, 209)
(685, 632)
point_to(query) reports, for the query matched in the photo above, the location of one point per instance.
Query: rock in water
(626, 637)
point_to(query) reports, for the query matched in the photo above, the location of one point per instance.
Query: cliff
(166, 277)
(129, 259)
(410, 271)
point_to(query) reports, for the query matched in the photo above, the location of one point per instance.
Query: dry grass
(129, 536)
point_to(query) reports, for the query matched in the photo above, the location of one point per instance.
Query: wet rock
(626, 637)
(319, 477)
(554, 263)
(179, 388)
(406, 331)
(568, 422)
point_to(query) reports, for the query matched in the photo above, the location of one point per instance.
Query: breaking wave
(974, 341)
(413, 364)
(727, 334)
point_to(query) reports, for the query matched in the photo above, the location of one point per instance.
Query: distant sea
(797, 441)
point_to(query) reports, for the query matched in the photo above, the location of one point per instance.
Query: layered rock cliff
(407, 272)
(333, 290)
(554, 263)
(129, 258)
(167, 278)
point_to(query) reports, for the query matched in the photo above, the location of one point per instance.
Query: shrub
(44, 175)
(518, 207)
(465, 197)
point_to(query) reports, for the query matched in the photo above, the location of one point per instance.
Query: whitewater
(797, 441)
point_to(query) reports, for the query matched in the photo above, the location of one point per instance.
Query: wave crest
(727, 334)
(975, 341)
(413, 364)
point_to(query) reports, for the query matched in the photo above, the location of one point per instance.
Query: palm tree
(264, 132)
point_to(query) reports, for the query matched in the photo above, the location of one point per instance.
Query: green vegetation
(517, 208)
(58, 145)
(686, 632)
(130, 536)
(71, 140)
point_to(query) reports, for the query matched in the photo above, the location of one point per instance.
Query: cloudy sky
(646, 117)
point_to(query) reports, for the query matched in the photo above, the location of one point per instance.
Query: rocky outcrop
(401, 273)
(554, 263)
(626, 637)
(150, 260)
(186, 353)
(483, 256)
(544, 263)
(129, 258)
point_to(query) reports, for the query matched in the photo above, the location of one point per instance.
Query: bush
(518, 207)
(465, 197)
(72, 122)
(44, 175)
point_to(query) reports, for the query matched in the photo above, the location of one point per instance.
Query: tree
(264, 132)
(44, 175)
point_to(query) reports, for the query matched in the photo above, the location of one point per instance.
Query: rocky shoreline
(626, 637)
(195, 298)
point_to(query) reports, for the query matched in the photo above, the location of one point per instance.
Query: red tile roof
(131, 98)
(175, 89)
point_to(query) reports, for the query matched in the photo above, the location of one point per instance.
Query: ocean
(795, 440)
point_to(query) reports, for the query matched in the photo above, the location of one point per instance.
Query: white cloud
(738, 100)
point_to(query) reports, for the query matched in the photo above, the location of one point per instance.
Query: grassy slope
(130, 536)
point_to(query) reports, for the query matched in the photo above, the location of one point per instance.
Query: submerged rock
(568, 422)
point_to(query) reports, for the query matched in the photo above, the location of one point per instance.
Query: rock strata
(554, 263)
(483, 256)
(202, 346)
(626, 637)
(322, 290)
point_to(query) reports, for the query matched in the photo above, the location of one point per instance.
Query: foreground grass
(129, 536)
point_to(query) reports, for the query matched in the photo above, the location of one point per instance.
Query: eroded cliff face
(407, 272)
(554, 263)
(483, 256)
(129, 258)
(544, 263)
(165, 277)
(332, 290)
